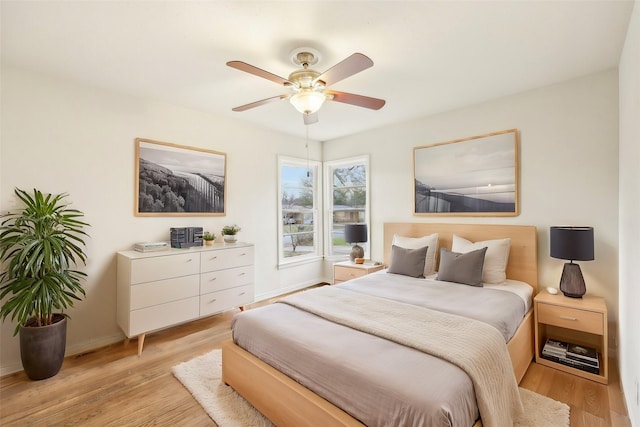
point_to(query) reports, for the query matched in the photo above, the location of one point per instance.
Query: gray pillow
(408, 262)
(462, 268)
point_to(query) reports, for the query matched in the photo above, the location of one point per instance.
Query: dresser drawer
(163, 291)
(228, 258)
(160, 316)
(346, 273)
(216, 302)
(564, 317)
(164, 267)
(225, 279)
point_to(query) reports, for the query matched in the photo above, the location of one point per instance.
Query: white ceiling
(429, 56)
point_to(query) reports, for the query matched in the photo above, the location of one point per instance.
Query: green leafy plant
(208, 236)
(230, 230)
(40, 244)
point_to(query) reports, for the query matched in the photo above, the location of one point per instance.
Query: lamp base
(356, 252)
(571, 282)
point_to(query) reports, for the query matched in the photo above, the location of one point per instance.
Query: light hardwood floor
(112, 386)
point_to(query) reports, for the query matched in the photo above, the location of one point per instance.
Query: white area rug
(202, 377)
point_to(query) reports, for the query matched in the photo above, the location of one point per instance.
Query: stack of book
(576, 356)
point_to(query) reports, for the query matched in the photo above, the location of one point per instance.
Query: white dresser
(165, 288)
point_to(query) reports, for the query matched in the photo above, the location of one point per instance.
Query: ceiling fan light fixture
(307, 101)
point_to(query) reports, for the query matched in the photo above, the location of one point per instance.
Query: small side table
(347, 270)
(581, 321)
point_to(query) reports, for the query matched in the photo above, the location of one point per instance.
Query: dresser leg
(140, 343)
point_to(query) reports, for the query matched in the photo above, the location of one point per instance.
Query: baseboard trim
(80, 348)
(94, 344)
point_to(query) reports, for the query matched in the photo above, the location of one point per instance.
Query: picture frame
(474, 176)
(177, 180)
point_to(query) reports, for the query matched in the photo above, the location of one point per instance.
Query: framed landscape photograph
(475, 176)
(175, 180)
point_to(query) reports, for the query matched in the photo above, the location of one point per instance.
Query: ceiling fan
(309, 87)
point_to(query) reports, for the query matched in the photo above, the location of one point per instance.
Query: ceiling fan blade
(310, 119)
(259, 103)
(247, 68)
(348, 67)
(359, 100)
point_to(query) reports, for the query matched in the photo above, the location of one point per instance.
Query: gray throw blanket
(475, 347)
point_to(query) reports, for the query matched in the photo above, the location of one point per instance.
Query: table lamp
(574, 244)
(355, 233)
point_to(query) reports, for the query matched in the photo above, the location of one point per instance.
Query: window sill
(299, 262)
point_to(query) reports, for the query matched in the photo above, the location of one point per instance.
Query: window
(347, 201)
(299, 237)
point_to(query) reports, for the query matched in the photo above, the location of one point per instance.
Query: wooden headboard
(523, 256)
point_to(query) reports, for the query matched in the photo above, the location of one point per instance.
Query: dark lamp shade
(355, 233)
(572, 243)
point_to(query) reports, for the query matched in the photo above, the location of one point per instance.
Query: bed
(287, 401)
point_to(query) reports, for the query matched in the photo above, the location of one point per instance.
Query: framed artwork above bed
(474, 176)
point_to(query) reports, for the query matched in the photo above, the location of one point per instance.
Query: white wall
(630, 216)
(61, 137)
(568, 168)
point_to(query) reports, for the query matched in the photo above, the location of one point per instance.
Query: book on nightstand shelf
(579, 357)
(555, 347)
(583, 354)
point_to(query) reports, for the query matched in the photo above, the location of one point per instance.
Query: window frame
(328, 167)
(316, 211)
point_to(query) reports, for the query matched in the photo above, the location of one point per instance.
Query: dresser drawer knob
(213, 259)
(568, 318)
(213, 300)
(242, 293)
(213, 278)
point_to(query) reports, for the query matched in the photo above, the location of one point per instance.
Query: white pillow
(420, 242)
(495, 260)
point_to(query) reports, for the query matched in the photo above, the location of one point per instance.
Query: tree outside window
(347, 182)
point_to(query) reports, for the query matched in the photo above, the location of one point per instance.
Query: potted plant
(229, 232)
(40, 245)
(208, 238)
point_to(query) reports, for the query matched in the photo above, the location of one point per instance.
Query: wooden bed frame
(287, 403)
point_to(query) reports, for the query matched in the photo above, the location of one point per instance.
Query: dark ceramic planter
(42, 348)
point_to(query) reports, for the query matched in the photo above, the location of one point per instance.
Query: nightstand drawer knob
(568, 318)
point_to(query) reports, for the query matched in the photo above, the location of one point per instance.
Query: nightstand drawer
(346, 273)
(564, 317)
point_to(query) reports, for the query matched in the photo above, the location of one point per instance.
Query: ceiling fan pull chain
(307, 147)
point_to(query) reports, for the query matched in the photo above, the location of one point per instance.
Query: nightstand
(347, 270)
(581, 321)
